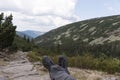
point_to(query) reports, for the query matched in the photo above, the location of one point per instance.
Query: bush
(109, 64)
(20, 44)
(32, 56)
(87, 61)
(14, 47)
(7, 31)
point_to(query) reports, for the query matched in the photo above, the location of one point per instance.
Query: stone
(3, 78)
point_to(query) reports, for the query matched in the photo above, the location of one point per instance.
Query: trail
(19, 68)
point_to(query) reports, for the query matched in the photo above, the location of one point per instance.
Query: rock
(21, 69)
(35, 77)
(17, 69)
(3, 78)
(2, 55)
(37, 63)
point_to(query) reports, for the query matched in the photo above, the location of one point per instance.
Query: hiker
(57, 72)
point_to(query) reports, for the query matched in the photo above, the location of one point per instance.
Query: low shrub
(33, 56)
(87, 61)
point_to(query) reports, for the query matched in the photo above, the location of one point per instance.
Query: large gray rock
(21, 69)
(15, 69)
(3, 78)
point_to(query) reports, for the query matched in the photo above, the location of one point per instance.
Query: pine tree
(7, 31)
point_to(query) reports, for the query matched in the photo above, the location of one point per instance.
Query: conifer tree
(7, 31)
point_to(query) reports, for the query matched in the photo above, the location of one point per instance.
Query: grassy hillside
(96, 36)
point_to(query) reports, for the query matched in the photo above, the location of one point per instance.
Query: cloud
(42, 15)
(113, 7)
(60, 21)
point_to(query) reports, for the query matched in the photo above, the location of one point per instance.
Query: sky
(45, 15)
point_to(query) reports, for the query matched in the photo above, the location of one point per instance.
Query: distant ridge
(20, 34)
(31, 33)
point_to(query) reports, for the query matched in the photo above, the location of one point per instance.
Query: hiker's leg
(63, 63)
(56, 72)
(59, 73)
(47, 62)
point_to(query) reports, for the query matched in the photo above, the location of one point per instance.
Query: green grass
(33, 57)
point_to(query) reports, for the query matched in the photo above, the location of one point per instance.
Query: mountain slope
(93, 35)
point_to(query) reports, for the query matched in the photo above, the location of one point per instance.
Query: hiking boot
(47, 62)
(63, 63)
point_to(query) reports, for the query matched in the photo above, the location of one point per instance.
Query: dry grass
(84, 74)
(2, 62)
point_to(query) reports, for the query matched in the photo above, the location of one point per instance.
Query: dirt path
(19, 68)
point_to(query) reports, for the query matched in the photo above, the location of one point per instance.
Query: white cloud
(60, 21)
(111, 8)
(58, 7)
(42, 15)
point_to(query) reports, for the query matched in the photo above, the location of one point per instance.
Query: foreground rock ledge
(21, 69)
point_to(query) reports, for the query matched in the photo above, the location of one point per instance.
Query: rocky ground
(19, 68)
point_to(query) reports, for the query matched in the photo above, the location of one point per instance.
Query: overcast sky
(44, 15)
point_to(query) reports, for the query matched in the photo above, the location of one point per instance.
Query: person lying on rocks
(57, 72)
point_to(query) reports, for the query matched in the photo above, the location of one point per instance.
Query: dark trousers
(59, 73)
